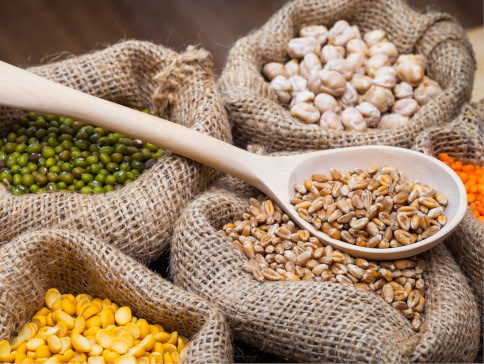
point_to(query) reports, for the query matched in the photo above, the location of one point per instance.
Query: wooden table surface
(476, 35)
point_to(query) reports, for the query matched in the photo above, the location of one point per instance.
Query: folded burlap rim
(257, 116)
(77, 263)
(311, 321)
(139, 218)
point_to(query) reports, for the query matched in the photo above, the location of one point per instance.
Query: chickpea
(282, 87)
(376, 62)
(361, 83)
(349, 97)
(332, 83)
(306, 112)
(330, 52)
(358, 62)
(391, 121)
(320, 32)
(370, 113)
(331, 120)
(342, 66)
(353, 120)
(309, 63)
(374, 37)
(403, 90)
(427, 90)
(292, 67)
(357, 46)
(325, 102)
(302, 96)
(380, 97)
(314, 81)
(341, 33)
(405, 107)
(411, 72)
(386, 48)
(418, 58)
(356, 31)
(298, 83)
(299, 47)
(274, 69)
(385, 77)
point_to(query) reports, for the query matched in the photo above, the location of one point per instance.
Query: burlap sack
(463, 139)
(139, 218)
(317, 322)
(76, 263)
(256, 115)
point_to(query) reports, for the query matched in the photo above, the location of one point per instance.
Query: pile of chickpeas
(340, 80)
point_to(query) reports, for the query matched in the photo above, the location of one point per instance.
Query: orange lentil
(472, 177)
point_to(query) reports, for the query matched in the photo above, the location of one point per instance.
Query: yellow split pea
(83, 329)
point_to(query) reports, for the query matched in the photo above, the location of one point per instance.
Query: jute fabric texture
(76, 263)
(139, 218)
(258, 118)
(317, 322)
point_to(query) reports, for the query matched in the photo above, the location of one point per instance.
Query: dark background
(33, 31)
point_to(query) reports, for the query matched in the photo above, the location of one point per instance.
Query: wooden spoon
(274, 176)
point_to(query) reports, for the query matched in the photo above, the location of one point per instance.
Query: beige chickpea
(298, 83)
(353, 120)
(357, 46)
(380, 97)
(342, 66)
(387, 48)
(349, 97)
(356, 31)
(361, 82)
(374, 37)
(331, 120)
(306, 112)
(427, 90)
(411, 72)
(308, 64)
(292, 67)
(325, 102)
(299, 47)
(370, 114)
(376, 62)
(302, 96)
(282, 87)
(332, 83)
(320, 32)
(358, 62)
(274, 69)
(403, 90)
(418, 58)
(391, 121)
(385, 77)
(314, 82)
(330, 52)
(341, 33)
(405, 107)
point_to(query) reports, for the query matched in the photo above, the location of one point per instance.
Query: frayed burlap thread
(463, 139)
(76, 263)
(258, 118)
(310, 321)
(139, 218)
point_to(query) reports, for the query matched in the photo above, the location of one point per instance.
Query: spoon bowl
(275, 176)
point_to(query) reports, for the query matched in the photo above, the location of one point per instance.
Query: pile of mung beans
(341, 80)
(277, 250)
(83, 329)
(378, 208)
(47, 153)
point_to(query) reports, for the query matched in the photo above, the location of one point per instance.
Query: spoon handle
(24, 90)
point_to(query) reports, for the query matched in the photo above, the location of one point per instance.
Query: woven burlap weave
(463, 139)
(317, 322)
(256, 115)
(139, 218)
(76, 263)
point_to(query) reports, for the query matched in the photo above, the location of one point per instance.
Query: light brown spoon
(274, 176)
